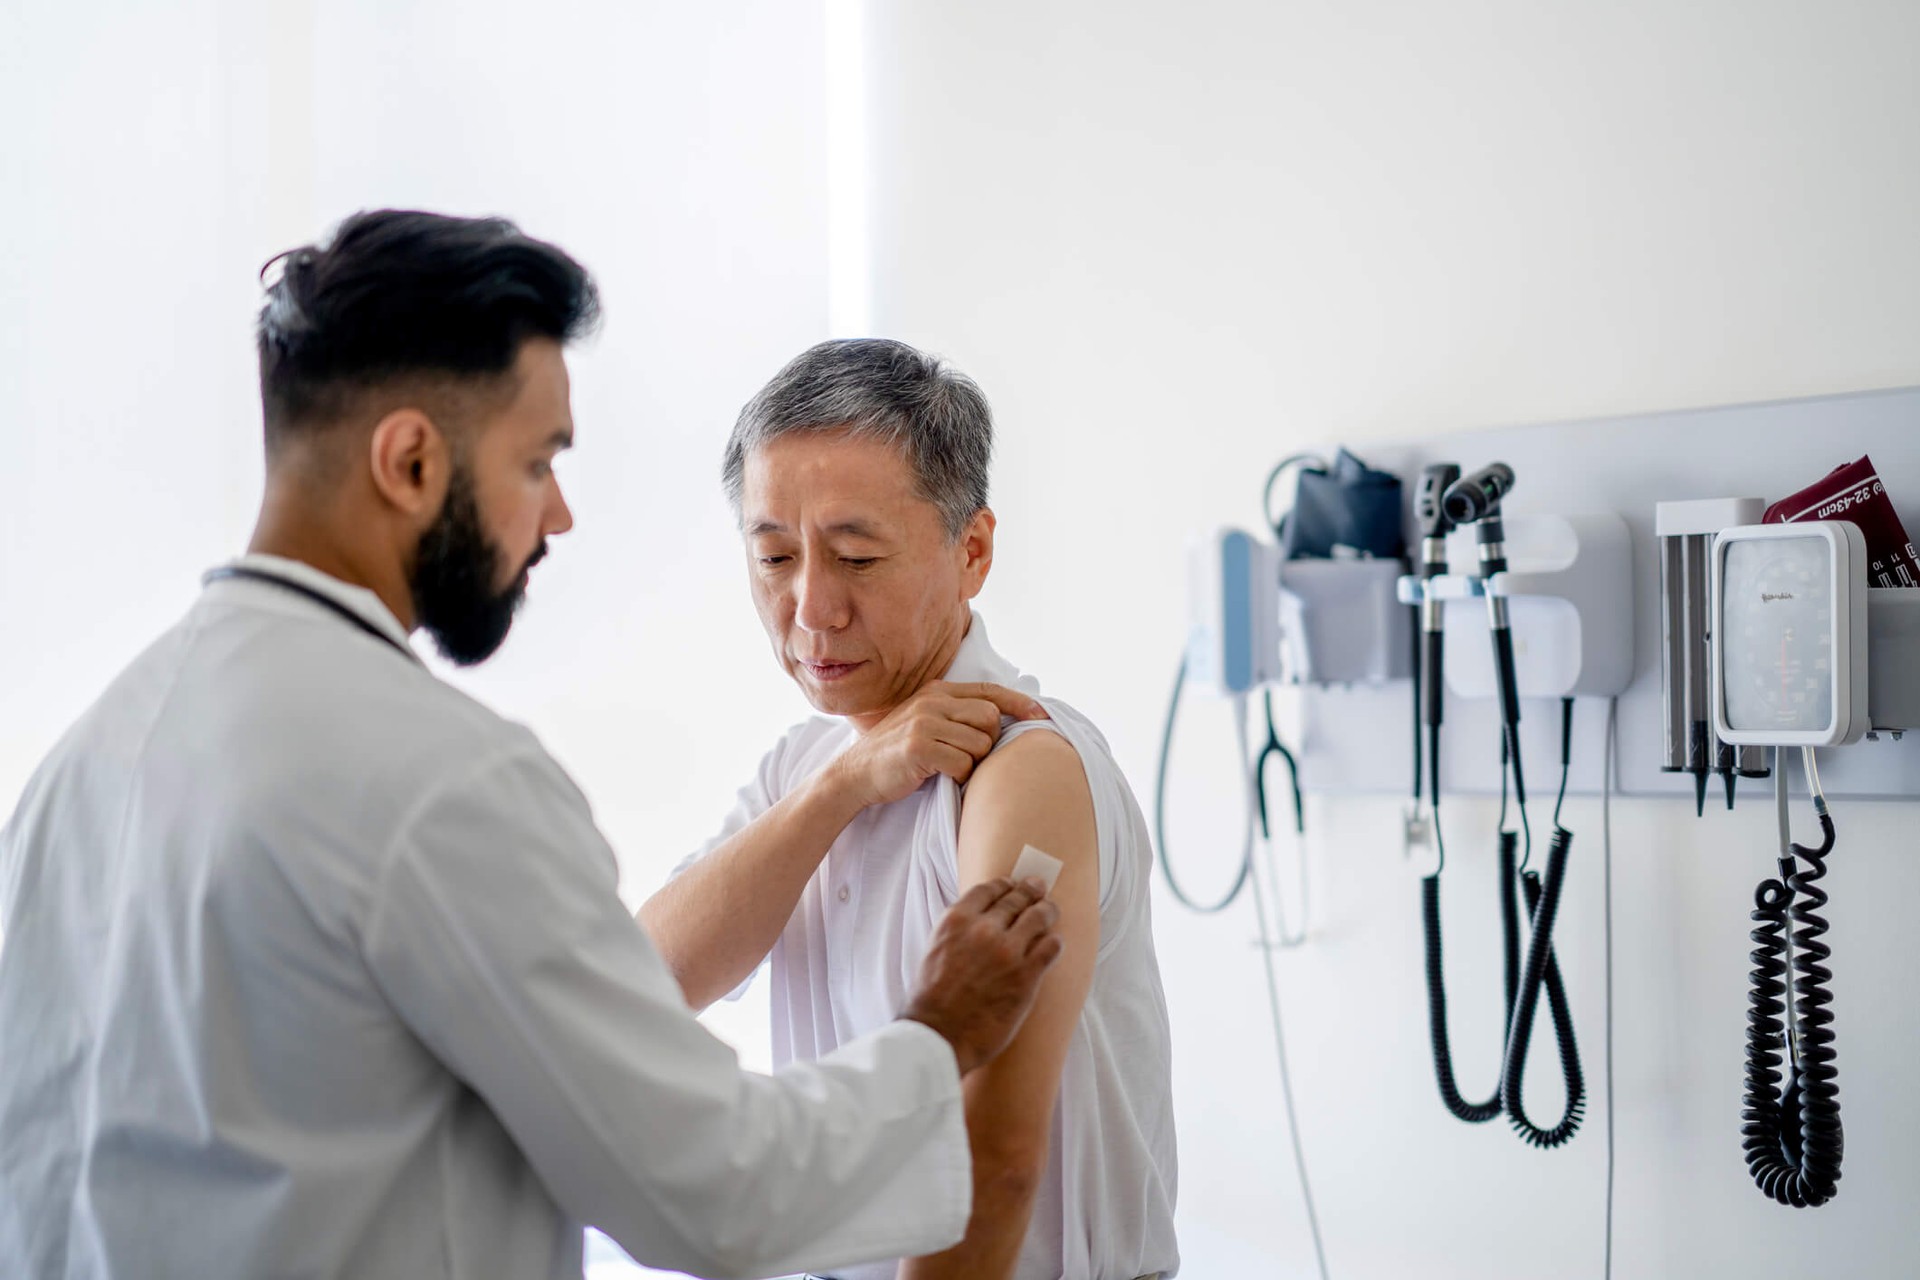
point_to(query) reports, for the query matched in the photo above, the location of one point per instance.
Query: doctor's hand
(984, 966)
(943, 728)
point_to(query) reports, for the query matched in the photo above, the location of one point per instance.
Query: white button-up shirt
(313, 966)
(848, 956)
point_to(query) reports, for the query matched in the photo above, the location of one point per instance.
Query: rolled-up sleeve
(499, 938)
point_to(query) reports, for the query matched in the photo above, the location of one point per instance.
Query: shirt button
(844, 893)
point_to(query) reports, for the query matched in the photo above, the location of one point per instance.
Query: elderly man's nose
(819, 602)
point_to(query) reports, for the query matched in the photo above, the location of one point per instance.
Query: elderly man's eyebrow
(850, 528)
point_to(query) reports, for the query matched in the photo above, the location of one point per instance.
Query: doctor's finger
(1036, 922)
(1042, 954)
(982, 896)
(1015, 900)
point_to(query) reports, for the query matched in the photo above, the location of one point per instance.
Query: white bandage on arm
(1043, 867)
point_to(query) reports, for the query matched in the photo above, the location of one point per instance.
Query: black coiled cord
(1793, 1139)
(1543, 904)
(1471, 1112)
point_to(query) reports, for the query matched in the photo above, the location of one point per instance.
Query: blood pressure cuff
(1350, 505)
(1854, 493)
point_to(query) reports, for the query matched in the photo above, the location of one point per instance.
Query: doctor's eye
(773, 562)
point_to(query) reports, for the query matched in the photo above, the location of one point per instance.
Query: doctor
(314, 966)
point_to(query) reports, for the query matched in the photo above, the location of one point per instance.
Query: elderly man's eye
(859, 562)
(772, 562)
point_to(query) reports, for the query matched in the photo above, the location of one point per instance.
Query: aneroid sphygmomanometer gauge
(1790, 634)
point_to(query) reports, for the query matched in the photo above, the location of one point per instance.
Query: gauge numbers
(1777, 635)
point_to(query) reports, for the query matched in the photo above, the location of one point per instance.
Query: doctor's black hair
(397, 294)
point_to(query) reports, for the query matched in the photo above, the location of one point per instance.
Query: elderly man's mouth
(827, 672)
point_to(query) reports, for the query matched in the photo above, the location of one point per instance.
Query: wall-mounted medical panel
(1351, 739)
(1567, 579)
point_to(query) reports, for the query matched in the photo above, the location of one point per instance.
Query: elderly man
(859, 475)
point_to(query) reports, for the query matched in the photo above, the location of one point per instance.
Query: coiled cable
(1793, 1138)
(1543, 969)
(1471, 1112)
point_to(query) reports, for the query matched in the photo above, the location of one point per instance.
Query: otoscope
(1434, 527)
(1475, 499)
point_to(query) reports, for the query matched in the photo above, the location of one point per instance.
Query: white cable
(1780, 758)
(1781, 814)
(1606, 844)
(1267, 947)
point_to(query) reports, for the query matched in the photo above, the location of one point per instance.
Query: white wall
(155, 155)
(1175, 243)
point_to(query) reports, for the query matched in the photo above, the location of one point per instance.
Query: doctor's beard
(454, 596)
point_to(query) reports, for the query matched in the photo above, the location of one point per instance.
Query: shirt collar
(361, 602)
(977, 661)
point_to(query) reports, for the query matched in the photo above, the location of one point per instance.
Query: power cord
(1267, 948)
(1542, 971)
(1437, 1032)
(1606, 843)
(1793, 1137)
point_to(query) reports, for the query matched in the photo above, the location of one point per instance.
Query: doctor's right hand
(984, 966)
(943, 728)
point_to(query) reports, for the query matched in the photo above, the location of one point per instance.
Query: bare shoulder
(1031, 791)
(1038, 766)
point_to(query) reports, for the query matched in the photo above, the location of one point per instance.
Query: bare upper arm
(1034, 791)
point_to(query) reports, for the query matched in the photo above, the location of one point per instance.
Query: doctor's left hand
(983, 967)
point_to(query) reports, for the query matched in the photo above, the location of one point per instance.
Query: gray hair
(881, 390)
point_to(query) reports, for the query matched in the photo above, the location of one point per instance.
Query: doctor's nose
(819, 602)
(559, 514)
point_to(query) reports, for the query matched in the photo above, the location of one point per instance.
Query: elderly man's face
(861, 592)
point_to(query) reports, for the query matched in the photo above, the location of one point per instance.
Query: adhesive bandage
(1043, 867)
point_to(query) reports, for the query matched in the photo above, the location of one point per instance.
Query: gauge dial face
(1776, 639)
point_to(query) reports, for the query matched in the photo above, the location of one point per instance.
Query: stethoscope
(325, 601)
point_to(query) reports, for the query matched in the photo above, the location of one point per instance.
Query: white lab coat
(314, 966)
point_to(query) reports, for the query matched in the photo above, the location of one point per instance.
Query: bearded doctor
(313, 966)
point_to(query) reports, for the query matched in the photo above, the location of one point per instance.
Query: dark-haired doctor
(314, 966)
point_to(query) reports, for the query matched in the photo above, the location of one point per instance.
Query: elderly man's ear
(976, 546)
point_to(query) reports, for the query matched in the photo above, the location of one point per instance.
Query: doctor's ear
(411, 460)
